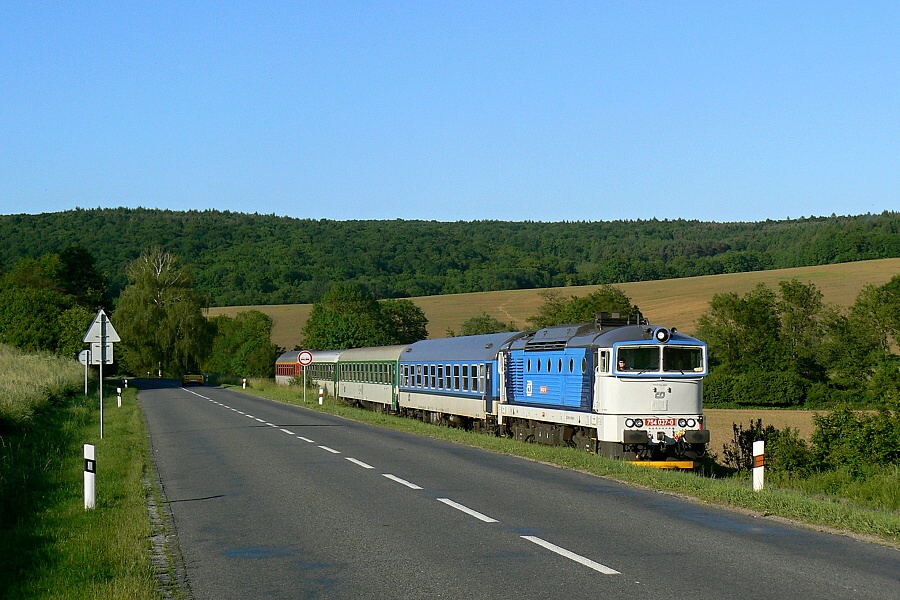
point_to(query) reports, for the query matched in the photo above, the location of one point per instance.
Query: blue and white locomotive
(619, 387)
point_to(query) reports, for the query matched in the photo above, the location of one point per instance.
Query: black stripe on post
(90, 466)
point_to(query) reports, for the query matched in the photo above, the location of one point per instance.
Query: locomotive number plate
(659, 422)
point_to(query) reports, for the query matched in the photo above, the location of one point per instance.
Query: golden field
(673, 302)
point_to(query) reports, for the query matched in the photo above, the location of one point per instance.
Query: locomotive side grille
(515, 377)
(545, 346)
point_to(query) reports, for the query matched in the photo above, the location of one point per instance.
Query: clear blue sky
(549, 111)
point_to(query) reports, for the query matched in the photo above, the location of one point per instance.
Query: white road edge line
(571, 555)
(359, 462)
(467, 510)
(332, 450)
(401, 481)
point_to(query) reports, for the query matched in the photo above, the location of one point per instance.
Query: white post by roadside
(759, 465)
(321, 395)
(90, 478)
(244, 384)
(119, 396)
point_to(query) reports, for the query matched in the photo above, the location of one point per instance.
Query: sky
(453, 111)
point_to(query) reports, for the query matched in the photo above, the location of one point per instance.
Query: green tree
(47, 303)
(350, 317)
(557, 310)
(346, 317)
(483, 323)
(242, 345)
(159, 317)
(743, 332)
(408, 322)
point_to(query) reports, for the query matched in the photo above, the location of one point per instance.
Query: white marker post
(321, 395)
(90, 478)
(244, 386)
(119, 396)
(759, 465)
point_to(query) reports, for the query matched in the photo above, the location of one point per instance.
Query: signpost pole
(305, 359)
(102, 360)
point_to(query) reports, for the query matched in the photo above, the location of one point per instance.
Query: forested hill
(240, 259)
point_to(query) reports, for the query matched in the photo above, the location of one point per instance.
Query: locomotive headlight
(691, 423)
(638, 423)
(682, 422)
(629, 422)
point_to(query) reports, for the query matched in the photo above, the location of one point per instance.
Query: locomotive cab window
(638, 358)
(682, 359)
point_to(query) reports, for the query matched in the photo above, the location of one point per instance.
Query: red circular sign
(305, 358)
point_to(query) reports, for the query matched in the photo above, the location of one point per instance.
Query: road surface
(277, 501)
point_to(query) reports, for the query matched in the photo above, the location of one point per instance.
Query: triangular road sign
(96, 331)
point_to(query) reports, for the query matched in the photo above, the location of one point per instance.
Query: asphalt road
(277, 501)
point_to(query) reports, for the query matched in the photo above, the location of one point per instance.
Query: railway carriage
(369, 376)
(453, 379)
(321, 372)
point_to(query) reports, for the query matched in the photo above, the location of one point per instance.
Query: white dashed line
(288, 432)
(258, 419)
(571, 555)
(270, 424)
(467, 510)
(401, 481)
(359, 462)
(332, 450)
(306, 439)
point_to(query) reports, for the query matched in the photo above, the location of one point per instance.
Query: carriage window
(433, 370)
(440, 377)
(456, 377)
(465, 378)
(638, 358)
(481, 377)
(682, 359)
(473, 384)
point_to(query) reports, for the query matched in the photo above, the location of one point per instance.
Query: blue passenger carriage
(453, 380)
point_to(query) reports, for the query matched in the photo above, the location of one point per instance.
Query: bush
(756, 388)
(854, 440)
(785, 450)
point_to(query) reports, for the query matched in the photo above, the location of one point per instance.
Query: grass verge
(50, 546)
(837, 516)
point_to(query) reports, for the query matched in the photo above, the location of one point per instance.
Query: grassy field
(50, 546)
(674, 303)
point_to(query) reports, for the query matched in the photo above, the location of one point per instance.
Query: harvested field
(673, 302)
(720, 421)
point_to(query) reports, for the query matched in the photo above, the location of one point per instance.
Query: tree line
(779, 347)
(246, 259)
